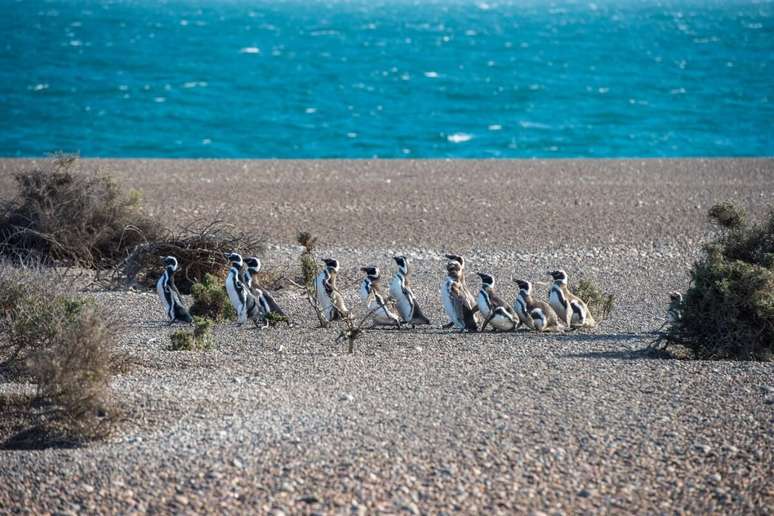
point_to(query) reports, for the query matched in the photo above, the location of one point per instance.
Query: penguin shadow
(37, 439)
(162, 324)
(646, 352)
(582, 336)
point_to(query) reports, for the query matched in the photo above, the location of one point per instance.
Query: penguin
(455, 300)
(570, 309)
(265, 300)
(241, 298)
(170, 297)
(675, 311)
(377, 306)
(537, 315)
(405, 302)
(492, 308)
(455, 258)
(329, 299)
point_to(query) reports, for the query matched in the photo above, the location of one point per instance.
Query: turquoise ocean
(387, 78)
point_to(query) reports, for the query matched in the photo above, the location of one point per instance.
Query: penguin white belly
(236, 301)
(539, 319)
(483, 306)
(396, 288)
(555, 298)
(402, 302)
(520, 307)
(404, 307)
(449, 306)
(382, 314)
(323, 300)
(364, 291)
(501, 322)
(163, 295)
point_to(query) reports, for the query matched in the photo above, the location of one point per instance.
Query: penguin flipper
(418, 317)
(469, 319)
(273, 306)
(182, 313)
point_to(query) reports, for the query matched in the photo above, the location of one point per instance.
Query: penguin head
(453, 269)
(559, 275)
(253, 264)
(331, 264)
(487, 281)
(371, 271)
(170, 262)
(676, 297)
(524, 285)
(235, 259)
(402, 263)
(456, 258)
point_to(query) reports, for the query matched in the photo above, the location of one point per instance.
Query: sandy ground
(428, 421)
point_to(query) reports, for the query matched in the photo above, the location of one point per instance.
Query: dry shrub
(200, 249)
(60, 216)
(198, 340)
(307, 260)
(62, 344)
(73, 376)
(211, 299)
(728, 311)
(600, 304)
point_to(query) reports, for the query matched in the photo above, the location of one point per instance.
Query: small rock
(237, 463)
(703, 448)
(182, 500)
(584, 493)
(310, 499)
(346, 397)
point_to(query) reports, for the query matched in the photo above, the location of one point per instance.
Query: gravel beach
(284, 421)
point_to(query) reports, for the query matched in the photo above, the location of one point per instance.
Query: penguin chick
(405, 302)
(539, 314)
(375, 303)
(329, 299)
(492, 308)
(456, 302)
(570, 309)
(169, 296)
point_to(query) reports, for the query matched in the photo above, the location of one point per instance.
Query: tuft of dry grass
(600, 304)
(308, 263)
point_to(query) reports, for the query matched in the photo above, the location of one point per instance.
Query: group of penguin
(249, 301)
(466, 312)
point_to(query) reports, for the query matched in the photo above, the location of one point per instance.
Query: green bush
(728, 311)
(200, 339)
(211, 299)
(599, 303)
